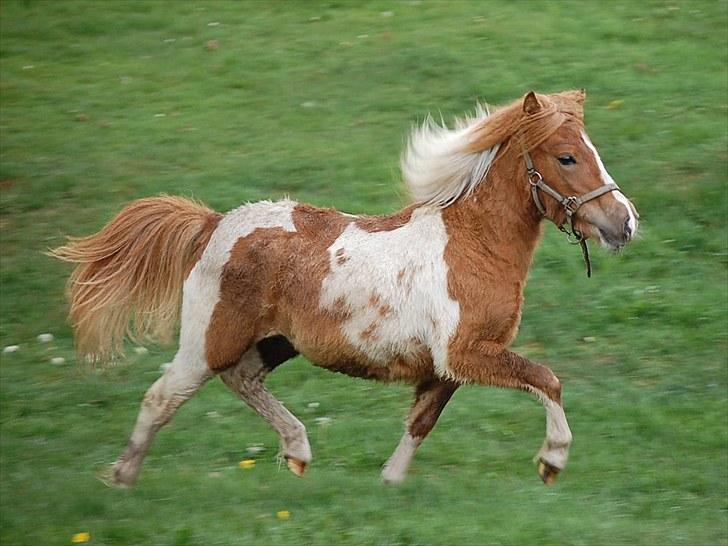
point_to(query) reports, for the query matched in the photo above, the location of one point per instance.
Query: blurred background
(228, 102)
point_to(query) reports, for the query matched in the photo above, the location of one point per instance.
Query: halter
(571, 204)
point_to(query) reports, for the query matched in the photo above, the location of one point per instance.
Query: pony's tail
(128, 278)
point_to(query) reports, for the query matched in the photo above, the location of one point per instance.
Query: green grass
(104, 102)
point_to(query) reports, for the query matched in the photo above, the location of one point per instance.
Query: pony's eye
(567, 160)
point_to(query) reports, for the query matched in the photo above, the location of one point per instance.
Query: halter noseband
(571, 204)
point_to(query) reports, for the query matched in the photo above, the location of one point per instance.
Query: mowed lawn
(105, 102)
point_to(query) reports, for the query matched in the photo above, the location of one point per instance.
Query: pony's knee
(549, 384)
(554, 387)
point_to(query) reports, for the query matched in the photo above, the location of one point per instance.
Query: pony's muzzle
(614, 227)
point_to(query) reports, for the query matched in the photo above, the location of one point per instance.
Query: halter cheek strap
(571, 204)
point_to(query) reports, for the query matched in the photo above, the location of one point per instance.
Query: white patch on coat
(607, 179)
(201, 291)
(394, 286)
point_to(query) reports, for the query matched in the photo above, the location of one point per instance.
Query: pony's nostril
(627, 229)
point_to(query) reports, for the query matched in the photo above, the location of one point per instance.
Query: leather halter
(571, 204)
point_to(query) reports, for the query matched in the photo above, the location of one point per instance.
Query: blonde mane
(440, 165)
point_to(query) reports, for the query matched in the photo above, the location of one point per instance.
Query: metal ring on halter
(534, 177)
(578, 237)
(573, 236)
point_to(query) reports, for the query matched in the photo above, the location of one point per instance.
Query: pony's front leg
(430, 399)
(507, 369)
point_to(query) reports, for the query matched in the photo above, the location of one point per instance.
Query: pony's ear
(579, 95)
(530, 103)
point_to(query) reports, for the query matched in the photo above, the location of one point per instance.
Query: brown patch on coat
(249, 290)
(369, 333)
(431, 397)
(375, 224)
(405, 277)
(341, 307)
(341, 257)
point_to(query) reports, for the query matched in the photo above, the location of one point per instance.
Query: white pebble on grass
(141, 350)
(11, 349)
(58, 360)
(45, 338)
(323, 421)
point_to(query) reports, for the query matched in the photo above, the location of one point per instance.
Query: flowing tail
(128, 278)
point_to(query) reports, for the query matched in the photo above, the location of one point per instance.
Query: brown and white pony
(431, 294)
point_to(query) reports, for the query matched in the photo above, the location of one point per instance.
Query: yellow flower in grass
(79, 538)
(283, 514)
(247, 464)
(615, 104)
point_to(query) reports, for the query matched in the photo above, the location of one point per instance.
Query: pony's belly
(411, 365)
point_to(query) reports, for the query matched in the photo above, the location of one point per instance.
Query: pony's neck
(498, 221)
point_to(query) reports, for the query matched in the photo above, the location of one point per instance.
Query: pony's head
(545, 134)
(570, 184)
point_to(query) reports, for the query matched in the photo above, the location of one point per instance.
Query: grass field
(105, 102)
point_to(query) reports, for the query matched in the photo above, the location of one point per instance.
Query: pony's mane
(439, 165)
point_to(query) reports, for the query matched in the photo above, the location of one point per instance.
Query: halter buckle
(570, 205)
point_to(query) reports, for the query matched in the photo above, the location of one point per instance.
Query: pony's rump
(129, 276)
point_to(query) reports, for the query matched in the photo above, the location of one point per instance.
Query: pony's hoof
(297, 466)
(108, 476)
(548, 472)
(391, 476)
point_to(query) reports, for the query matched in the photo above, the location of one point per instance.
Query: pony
(430, 295)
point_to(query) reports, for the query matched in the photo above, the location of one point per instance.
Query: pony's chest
(391, 289)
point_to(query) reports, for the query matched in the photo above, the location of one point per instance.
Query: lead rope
(587, 260)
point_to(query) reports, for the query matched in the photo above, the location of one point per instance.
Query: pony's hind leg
(430, 399)
(179, 382)
(509, 370)
(246, 380)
